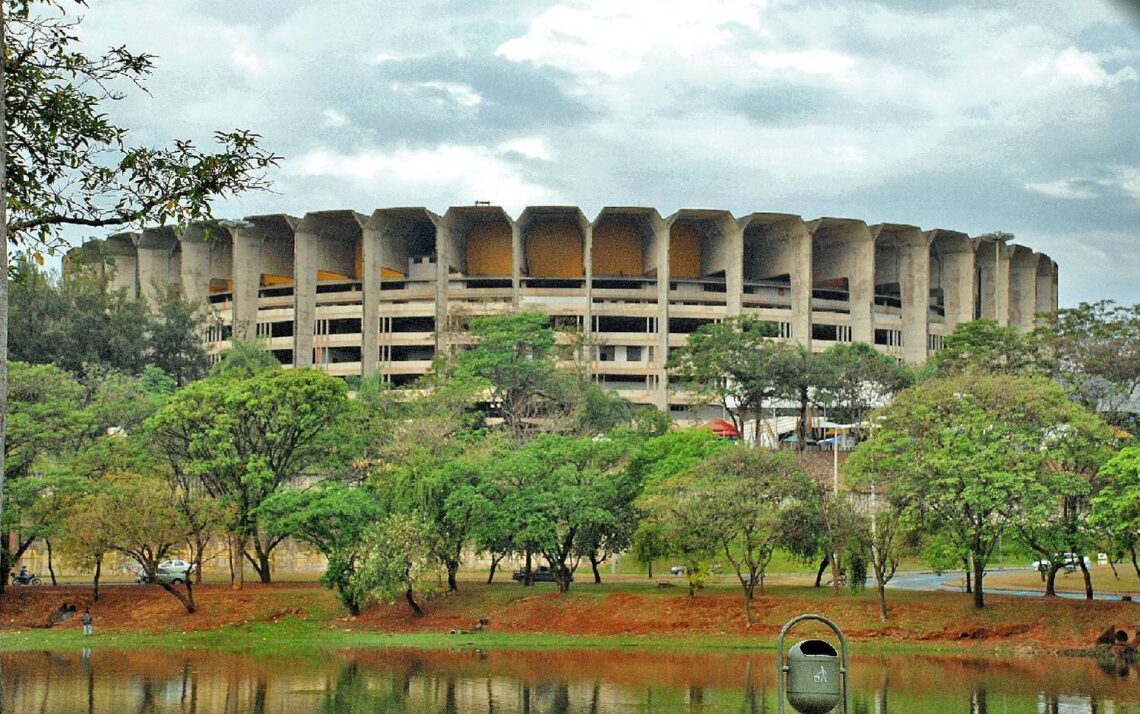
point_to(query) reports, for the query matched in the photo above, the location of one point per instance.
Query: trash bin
(813, 677)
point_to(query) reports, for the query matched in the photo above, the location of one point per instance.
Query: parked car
(169, 572)
(541, 574)
(677, 570)
(1069, 561)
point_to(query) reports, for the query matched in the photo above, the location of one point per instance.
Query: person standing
(86, 620)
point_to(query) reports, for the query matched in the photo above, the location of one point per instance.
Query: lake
(502, 681)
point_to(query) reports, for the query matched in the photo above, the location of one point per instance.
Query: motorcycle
(26, 579)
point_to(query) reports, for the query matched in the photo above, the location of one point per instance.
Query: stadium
(634, 282)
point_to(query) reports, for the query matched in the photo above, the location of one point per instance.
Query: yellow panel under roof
(270, 279)
(329, 275)
(554, 250)
(684, 251)
(489, 249)
(617, 250)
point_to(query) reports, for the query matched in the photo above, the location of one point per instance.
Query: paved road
(930, 581)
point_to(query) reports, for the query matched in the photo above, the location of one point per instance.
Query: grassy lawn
(1102, 578)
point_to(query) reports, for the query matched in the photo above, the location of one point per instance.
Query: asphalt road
(931, 581)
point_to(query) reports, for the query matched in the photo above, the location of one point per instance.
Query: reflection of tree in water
(354, 690)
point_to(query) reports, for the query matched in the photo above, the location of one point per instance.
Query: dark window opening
(882, 337)
(552, 283)
(413, 324)
(275, 292)
(281, 329)
(227, 331)
(338, 287)
(825, 332)
(412, 354)
(403, 380)
(336, 355)
(284, 356)
(611, 323)
(618, 284)
(344, 326)
(686, 325)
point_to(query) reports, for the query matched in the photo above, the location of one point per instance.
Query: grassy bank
(621, 614)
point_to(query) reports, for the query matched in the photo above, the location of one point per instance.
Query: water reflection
(555, 682)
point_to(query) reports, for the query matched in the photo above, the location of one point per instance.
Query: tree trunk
(95, 580)
(822, 569)
(835, 573)
(1051, 580)
(1135, 565)
(237, 561)
(51, 568)
(979, 598)
(969, 579)
(649, 565)
(1087, 577)
(528, 573)
(562, 577)
(594, 567)
(494, 566)
(882, 597)
(261, 564)
(410, 597)
(187, 600)
(452, 572)
(3, 292)
(747, 607)
(801, 431)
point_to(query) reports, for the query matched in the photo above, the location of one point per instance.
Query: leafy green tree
(1116, 506)
(174, 340)
(63, 162)
(982, 347)
(857, 378)
(1097, 349)
(965, 455)
(333, 517)
(398, 561)
(243, 439)
(513, 360)
(731, 363)
(244, 359)
(800, 376)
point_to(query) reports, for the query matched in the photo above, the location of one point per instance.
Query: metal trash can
(813, 677)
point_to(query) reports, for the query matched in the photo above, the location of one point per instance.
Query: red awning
(721, 427)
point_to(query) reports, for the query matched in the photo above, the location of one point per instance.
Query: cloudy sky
(1022, 116)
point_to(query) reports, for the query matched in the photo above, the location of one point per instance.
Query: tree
(175, 340)
(800, 373)
(244, 438)
(513, 360)
(1116, 507)
(736, 503)
(731, 363)
(1097, 349)
(398, 561)
(888, 532)
(965, 454)
(856, 379)
(982, 347)
(334, 518)
(63, 162)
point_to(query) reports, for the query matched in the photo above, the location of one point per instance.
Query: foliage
(398, 560)
(1097, 348)
(800, 375)
(243, 439)
(731, 363)
(333, 517)
(857, 378)
(244, 359)
(1116, 507)
(982, 347)
(965, 454)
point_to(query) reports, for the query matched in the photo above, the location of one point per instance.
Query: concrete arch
(121, 262)
(325, 249)
(902, 282)
(207, 261)
(1046, 284)
(554, 242)
(706, 248)
(263, 259)
(626, 243)
(951, 276)
(1022, 287)
(160, 261)
(776, 267)
(843, 271)
(991, 261)
(478, 242)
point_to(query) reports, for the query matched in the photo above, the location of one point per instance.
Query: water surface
(505, 681)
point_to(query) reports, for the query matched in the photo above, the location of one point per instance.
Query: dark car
(542, 574)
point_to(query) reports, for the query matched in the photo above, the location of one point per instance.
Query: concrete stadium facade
(636, 283)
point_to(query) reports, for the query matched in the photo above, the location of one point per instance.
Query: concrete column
(733, 266)
(372, 262)
(861, 281)
(587, 228)
(247, 281)
(661, 239)
(1022, 287)
(305, 266)
(1001, 286)
(1046, 279)
(958, 270)
(195, 271)
(914, 282)
(516, 261)
(122, 259)
(159, 263)
(801, 283)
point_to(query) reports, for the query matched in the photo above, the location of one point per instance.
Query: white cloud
(461, 94)
(1071, 65)
(807, 62)
(1128, 179)
(334, 119)
(451, 174)
(530, 147)
(1063, 188)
